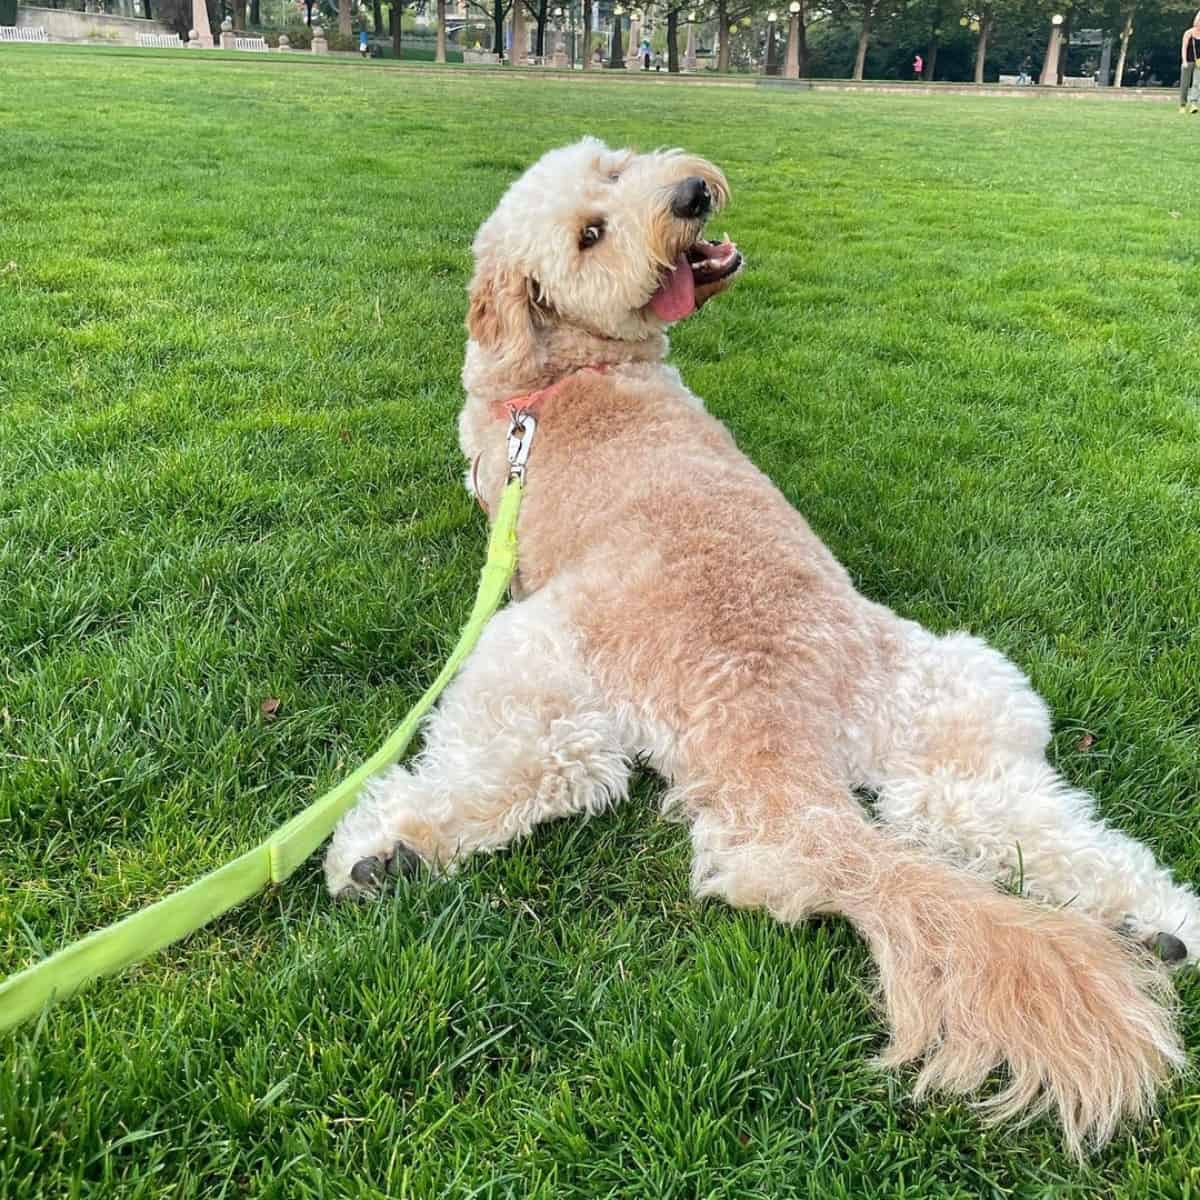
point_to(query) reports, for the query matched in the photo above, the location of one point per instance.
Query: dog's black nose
(692, 199)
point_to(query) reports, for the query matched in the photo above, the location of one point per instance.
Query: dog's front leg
(520, 736)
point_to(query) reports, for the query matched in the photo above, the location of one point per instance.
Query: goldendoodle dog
(674, 609)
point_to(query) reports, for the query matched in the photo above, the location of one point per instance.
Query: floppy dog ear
(503, 312)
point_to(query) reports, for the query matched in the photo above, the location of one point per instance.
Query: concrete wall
(65, 25)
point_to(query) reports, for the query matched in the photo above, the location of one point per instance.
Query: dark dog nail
(1168, 947)
(403, 861)
(367, 872)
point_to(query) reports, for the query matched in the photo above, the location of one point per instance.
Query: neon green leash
(142, 933)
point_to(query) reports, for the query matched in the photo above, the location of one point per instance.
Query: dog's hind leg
(972, 979)
(961, 768)
(520, 736)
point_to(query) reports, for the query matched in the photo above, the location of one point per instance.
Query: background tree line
(958, 40)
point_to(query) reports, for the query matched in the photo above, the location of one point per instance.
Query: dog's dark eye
(591, 235)
(615, 177)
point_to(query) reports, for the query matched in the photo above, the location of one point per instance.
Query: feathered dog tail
(972, 980)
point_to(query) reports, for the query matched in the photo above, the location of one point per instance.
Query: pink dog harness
(527, 405)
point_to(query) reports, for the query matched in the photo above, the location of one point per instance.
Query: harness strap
(528, 406)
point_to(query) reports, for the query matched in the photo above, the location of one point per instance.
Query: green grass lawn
(231, 302)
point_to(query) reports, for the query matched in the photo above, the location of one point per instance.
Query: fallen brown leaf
(269, 707)
(1086, 742)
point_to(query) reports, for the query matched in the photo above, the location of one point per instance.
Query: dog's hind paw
(1169, 948)
(1176, 946)
(402, 861)
(368, 872)
(368, 876)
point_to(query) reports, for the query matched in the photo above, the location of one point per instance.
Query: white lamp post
(791, 68)
(518, 55)
(560, 48)
(201, 30)
(1049, 75)
(689, 55)
(616, 57)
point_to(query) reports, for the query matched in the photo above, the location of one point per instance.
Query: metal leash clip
(520, 438)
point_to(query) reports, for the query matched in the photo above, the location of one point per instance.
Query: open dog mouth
(700, 272)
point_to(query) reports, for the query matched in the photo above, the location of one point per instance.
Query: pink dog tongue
(676, 298)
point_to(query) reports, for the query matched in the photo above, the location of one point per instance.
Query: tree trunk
(344, 18)
(540, 42)
(802, 41)
(985, 27)
(1063, 47)
(930, 59)
(439, 55)
(672, 40)
(376, 16)
(860, 55)
(616, 60)
(146, 10)
(1126, 34)
(499, 12)
(308, 7)
(586, 61)
(519, 51)
(935, 37)
(722, 36)
(397, 28)
(239, 14)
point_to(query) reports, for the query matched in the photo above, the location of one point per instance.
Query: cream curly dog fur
(677, 610)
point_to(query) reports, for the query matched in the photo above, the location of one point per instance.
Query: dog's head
(606, 242)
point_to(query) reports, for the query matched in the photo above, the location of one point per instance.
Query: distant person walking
(1187, 65)
(918, 66)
